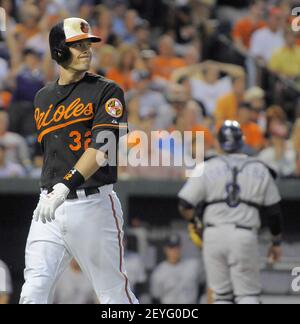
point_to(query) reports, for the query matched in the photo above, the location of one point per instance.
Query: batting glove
(48, 204)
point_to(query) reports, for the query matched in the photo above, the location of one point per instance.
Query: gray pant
(232, 264)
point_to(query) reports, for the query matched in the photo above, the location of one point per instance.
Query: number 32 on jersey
(79, 140)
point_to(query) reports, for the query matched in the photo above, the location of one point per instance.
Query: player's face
(173, 254)
(81, 55)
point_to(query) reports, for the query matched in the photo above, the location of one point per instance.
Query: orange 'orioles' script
(62, 117)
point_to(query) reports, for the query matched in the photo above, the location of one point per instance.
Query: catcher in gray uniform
(231, 194)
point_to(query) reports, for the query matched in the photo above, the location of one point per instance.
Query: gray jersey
(135, 269)
(5, 279)
(177, 283)
(16, 148)
(74, 288)
(255, 182)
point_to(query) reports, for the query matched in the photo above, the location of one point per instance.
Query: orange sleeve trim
(109, 125)
(54, 128)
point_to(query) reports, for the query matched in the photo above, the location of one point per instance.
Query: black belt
(88, 192)
(236, 226)
(73, 194)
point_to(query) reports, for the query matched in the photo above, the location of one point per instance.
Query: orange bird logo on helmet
(84, 27)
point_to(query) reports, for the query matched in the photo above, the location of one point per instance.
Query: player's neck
(67, 77)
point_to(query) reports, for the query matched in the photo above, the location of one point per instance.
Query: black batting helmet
(231, 137)
(68, 31)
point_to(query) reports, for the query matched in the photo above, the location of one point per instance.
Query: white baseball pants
(88, 229)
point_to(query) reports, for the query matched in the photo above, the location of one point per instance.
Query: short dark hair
(182, 79)
(173, 240)
(30, 51)
(245, 105)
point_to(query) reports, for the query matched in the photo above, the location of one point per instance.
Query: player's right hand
(48, 203)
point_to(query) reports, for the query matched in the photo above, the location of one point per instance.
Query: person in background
(5, 284)
(255, 97)
(147, 58)
(122, 73)
(214, 86)
(29, 80)
(37, 164)
(136, 270)
(142, 35)
(85, 9)
(176, 280)
(182, 22)
(150, 102)
(191, 55)
(254, 136)
(16, 148)
(286, 60)
(106, 59)
(221, 200)
(104, 26)
(23, 32)
(50, 15)
(134, 118)
(227, 106)
(280, 155)
(194, 121)
(131, 21)
(274, 114)
(120, 8)
(74, 288)
(9, 169)
(166, 62)
(178, 95)
(266, 41)
(10, 10)
(188, 116)
(152, 150)
(245, 27)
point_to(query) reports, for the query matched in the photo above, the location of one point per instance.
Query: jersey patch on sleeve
(114, 108)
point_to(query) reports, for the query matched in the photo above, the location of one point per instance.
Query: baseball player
(78, 214)
(230, 194)
(176, 280)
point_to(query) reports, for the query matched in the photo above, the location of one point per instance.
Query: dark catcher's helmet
(231, 137)
(66, 32)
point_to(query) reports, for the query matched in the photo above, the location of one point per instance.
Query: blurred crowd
(185, 65)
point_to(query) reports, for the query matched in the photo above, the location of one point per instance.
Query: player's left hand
(48, 204)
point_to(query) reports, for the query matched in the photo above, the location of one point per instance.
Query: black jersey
(69, 119)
